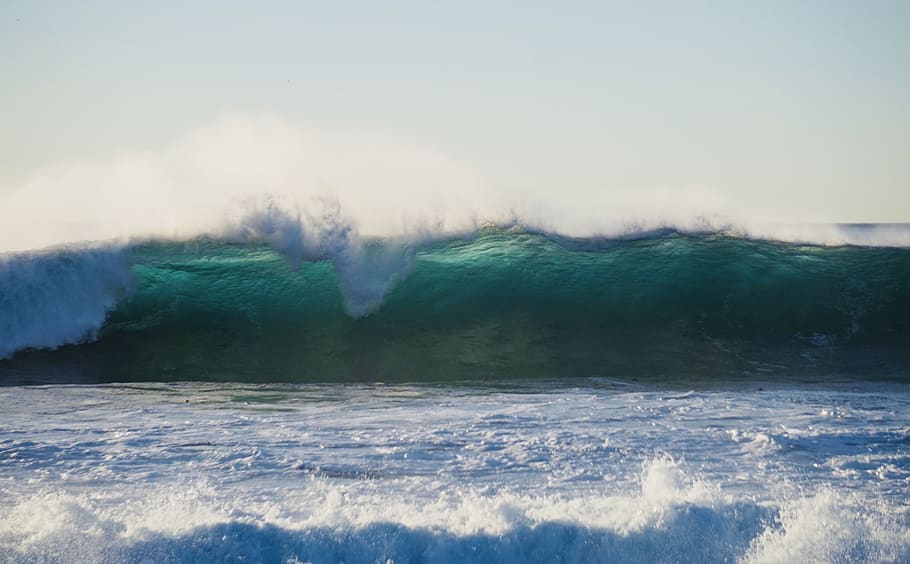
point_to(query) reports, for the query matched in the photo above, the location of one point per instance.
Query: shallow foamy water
(599, 471)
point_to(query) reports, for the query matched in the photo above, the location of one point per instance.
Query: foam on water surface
(597, 472)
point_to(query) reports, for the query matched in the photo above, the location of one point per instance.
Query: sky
(799, 111)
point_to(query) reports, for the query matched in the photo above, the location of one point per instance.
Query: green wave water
(502, 304)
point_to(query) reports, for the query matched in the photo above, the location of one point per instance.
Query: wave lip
(58, 297)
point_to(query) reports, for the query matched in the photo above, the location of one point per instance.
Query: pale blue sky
(781, 104)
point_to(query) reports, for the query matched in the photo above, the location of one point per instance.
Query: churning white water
(544, 471)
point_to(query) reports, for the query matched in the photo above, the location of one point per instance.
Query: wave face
(496, 304)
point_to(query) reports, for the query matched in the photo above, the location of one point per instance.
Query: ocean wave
(77, 237)
(272, 293)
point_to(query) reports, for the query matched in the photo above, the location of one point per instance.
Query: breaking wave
(276, 298)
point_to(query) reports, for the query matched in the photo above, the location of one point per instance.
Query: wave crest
(53, 298)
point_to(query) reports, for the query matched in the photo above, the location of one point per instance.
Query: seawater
(492, 305)
(292, 394)
(534, 471)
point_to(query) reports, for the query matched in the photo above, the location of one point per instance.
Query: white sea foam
(59, 296)
(203, 472)
(834, 527)
(666, 520)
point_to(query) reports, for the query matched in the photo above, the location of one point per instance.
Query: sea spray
(59, 296)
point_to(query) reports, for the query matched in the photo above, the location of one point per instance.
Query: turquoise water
(498, 304)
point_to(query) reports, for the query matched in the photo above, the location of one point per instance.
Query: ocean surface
(500, 395)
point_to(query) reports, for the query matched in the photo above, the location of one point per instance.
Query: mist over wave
(218, 180)
(211, 179)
